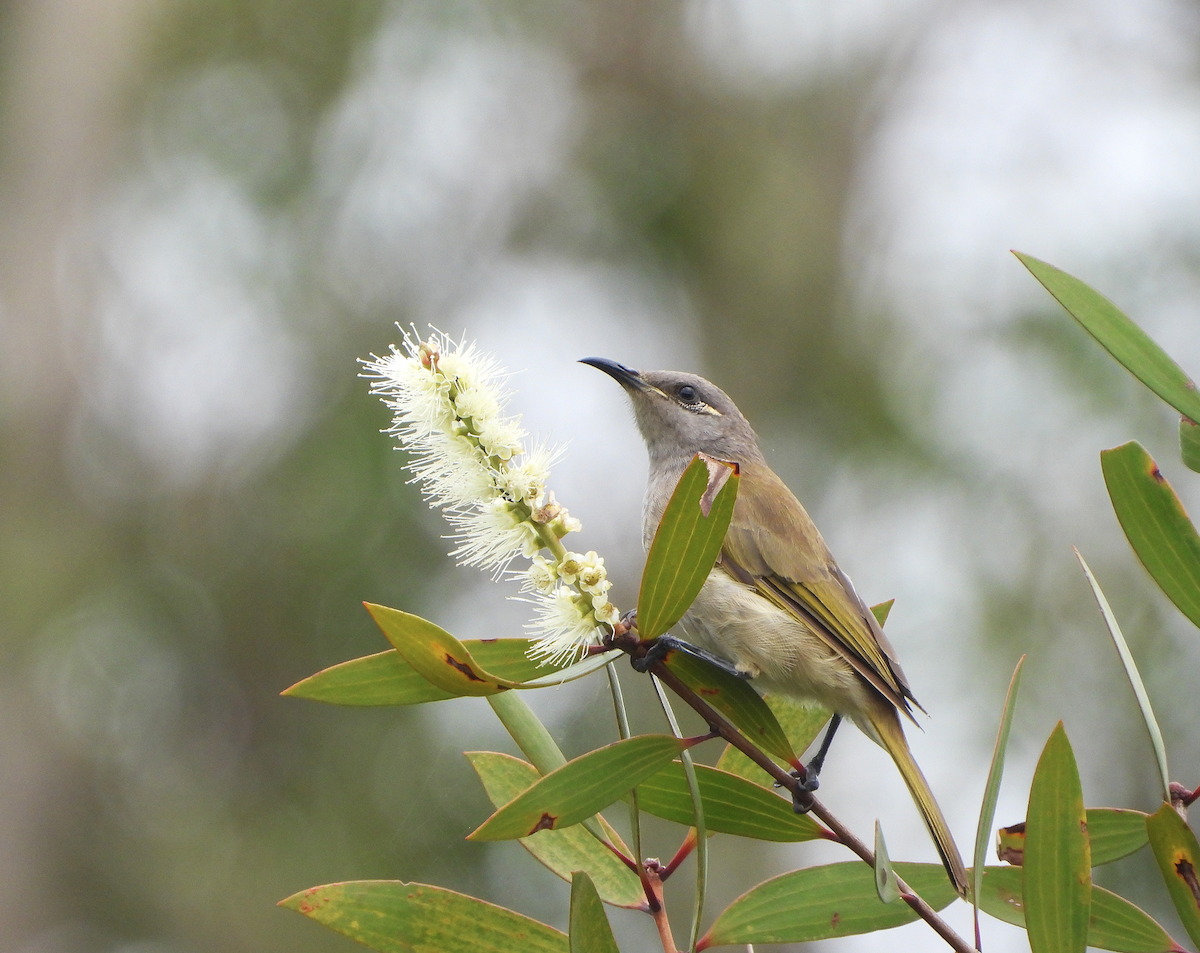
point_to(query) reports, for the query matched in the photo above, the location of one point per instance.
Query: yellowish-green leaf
(1155, 523)
(580, 788)
(732, 805)
(686, 543)
(435, 653)
(821, 902)
(1118, 334)
(590, 932)
(394, 917)
(1178, 857)
(387, 679)
(1114, 923)
(1058, 871)
(561, 851)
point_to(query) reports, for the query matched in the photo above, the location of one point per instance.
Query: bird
(776, 609)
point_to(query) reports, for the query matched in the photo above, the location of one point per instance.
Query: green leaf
(580, 788)
(387, 679)
(735, 699)
(991, 791)
(1058, 870)
(1123, 339)
(380, 679)
(563, 851)
(1134, 676)
(1189, 443)
(1155, 523)
(590, 932)
(1114, 833)
(820, 902)
(686, 544)
(732, 805)
(435, 653)
(801, 723)
(395, 917)
(1114, 923)
(1178, 857)
(885, 877)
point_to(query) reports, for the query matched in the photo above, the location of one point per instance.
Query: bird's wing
(773, 545)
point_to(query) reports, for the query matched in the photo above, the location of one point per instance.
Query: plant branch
(718, 723)
(658, 909)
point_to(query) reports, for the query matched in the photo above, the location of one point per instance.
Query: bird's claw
(656, 652)
(802, 794)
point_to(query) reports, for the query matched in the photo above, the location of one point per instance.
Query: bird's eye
(687, 393)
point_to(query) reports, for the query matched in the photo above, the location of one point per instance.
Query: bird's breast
(781, 653)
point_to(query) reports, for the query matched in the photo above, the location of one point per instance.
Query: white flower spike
(448, 400)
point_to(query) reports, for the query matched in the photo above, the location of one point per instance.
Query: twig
(718, 723)
(657, 909)
(684, 852)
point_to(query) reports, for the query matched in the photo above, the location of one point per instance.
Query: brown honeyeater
(776, 608)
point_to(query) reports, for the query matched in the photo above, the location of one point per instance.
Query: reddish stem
(653, 880)
(685, 850)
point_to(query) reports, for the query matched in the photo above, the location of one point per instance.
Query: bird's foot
(661, 647)
(658, 650)
(802, 794)
(809, 778)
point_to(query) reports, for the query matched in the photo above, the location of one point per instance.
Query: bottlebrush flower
(448, 400)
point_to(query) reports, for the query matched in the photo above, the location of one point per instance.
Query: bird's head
(680, 414)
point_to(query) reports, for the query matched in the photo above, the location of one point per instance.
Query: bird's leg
(666, 644)
(802, 796)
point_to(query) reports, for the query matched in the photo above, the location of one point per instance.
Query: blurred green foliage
(153, 776)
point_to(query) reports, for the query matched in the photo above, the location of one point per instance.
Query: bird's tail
(890, 734)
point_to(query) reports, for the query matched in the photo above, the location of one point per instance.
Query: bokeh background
(210, 208)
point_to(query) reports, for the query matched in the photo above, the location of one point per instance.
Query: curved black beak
(627, 377)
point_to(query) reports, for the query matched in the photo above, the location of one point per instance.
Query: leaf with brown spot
(1178, 856)
(568, 849)
(1155, 523)
(581, 787)
(435, 653)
